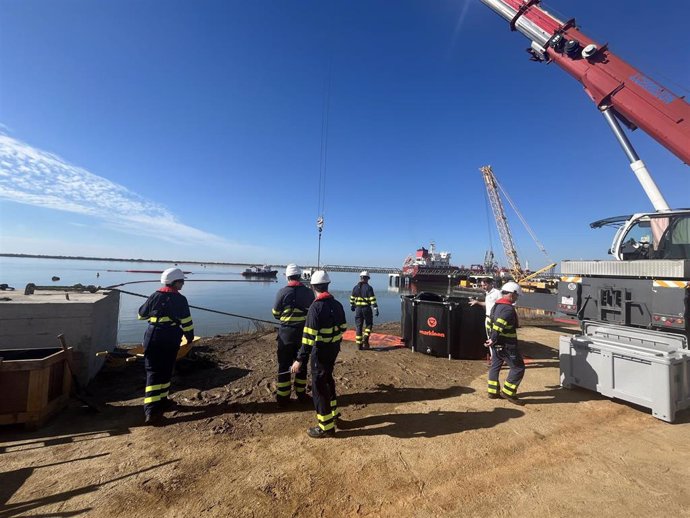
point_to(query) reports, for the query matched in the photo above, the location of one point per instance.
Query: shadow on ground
(13, 480)
(196, 371)
(428, 424)
(384, 394)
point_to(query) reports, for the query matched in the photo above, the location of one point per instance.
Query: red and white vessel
(429, 266)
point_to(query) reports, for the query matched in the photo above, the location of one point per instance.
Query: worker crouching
(321, 339)
(167, 312)
(503, 340)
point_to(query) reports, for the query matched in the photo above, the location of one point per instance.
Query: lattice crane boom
(501, 222)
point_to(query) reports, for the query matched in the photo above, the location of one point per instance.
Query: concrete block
(88, 320)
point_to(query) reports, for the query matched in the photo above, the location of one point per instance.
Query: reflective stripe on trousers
(511, 356)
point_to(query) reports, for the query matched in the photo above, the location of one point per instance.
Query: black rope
(190, 280)
(204, 309)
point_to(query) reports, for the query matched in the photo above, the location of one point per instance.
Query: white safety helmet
(171, 275)
(292, 269)
(364, 273)
(511, 287)
(320, 277)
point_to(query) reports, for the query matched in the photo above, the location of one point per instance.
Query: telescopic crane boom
(649, 284)
(620, 91)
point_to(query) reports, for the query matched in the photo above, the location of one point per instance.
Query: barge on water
(260, 271)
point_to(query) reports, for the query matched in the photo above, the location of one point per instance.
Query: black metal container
(443, 326)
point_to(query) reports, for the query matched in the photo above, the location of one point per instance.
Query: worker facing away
(323, 333)
(491, 295)
(169, 319)
(290, 307)
(363, 303)
(503, 340)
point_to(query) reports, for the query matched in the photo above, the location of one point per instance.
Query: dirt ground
(421, 439)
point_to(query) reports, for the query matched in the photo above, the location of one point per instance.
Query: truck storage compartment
(648, 368)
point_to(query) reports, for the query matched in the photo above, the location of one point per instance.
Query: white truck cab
(652, 235)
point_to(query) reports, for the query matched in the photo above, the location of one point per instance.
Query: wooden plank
(66, 379)
(50, 409)
(32, 407)
(38, 390)
(18, 417)
(32, 364)
(13, 387)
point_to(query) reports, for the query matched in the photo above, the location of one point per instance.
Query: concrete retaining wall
(88, 321)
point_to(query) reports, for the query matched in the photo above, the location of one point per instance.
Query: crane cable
(323, 160)
(524, 222)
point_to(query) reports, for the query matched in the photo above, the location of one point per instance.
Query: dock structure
(397, 280)
(370, 269)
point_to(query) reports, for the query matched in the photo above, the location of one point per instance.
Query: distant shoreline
(84, 258)
(334, 268)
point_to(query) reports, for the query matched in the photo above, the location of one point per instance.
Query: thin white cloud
(34, 177)
(461, 21)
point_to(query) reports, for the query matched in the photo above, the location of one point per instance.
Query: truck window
(638, 242)
(675, 243)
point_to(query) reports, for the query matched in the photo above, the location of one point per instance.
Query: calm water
(248, 299)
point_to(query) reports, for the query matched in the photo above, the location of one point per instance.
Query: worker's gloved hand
(352, 308)
(376, 311)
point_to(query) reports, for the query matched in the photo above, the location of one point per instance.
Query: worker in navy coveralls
(503, 339)
(167, 312)
(363, 303)
(323, 333)
(290, 307)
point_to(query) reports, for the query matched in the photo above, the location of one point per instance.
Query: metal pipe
(638, 166)
(522, 24)
(621, 137)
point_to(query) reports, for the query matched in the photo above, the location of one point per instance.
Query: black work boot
(168, 404)
(513, 399)
(304, 398)
(365, 343)
(283, 402)
(154, 419)
(494, 396)
(317, 432)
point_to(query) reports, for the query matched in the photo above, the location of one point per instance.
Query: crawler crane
(521, 277)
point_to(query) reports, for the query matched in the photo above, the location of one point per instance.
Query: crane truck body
(634, 310)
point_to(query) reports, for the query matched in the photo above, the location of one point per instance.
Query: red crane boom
(610, 82)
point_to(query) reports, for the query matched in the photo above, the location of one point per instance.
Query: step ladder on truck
(634, 310)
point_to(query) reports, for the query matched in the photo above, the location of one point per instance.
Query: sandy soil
(422, 439)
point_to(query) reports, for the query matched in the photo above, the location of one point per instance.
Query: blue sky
(192, 130)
